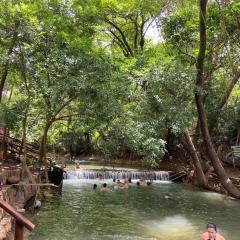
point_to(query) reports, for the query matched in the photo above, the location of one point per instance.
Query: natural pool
(139, 213)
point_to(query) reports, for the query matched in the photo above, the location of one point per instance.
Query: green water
(138, 213)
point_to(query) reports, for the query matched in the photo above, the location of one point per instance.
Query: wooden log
(37, 184)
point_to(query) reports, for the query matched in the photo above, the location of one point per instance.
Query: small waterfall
(134, 175)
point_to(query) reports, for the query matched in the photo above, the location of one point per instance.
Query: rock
(2, 232)
(13, 180)
(6, 222)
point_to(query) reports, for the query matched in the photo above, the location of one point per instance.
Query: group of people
(125, 185)
(118, 185)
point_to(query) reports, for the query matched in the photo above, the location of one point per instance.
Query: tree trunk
(170, 142)
(196, 162)
(43, 149)
(225, 181)
(24, 158)
(23, 144)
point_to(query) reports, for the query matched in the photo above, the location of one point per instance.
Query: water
(139, 213)
(83, 174)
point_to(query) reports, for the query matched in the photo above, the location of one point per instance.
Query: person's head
(104, 185)
(129, 180)
(138, 183)
(148, 183)
(114, 180)
(118, 181)
(94, 186)
(212, 230)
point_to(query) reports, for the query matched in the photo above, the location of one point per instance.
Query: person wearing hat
(211, 233)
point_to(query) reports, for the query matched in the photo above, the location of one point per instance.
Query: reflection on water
(139, 213)
(174, 227)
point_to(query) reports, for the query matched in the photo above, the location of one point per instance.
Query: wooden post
(18, 231)
(20, 220)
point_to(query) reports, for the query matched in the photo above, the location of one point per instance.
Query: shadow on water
(139, 213)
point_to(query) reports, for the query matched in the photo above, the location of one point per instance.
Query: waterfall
(134, 175)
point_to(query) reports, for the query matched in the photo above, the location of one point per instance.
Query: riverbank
(16, 190)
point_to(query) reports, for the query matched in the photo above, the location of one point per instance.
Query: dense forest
(127, 79)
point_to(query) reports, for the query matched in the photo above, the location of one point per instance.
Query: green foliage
(136, 137)
(87, 69)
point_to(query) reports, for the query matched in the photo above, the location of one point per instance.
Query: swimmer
(125, 185)
(119, 185)
(94, 186)
(168, 196)
(211, 233)
(78, 167)
(105, 188)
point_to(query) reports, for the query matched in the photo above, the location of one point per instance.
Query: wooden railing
(20, 220)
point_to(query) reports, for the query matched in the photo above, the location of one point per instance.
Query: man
(105, 188)
(211, 233)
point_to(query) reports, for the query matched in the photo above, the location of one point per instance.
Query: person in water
(149, 183)
(94, 186)
(78, 166)
(119, 185)
(105, 188)
(211, 233)
(125, 185)
(142, 181)
(168, 196)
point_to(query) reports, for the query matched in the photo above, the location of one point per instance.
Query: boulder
(13, 180)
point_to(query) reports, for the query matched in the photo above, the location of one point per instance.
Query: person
(138, 183)
(105, 188)
(37, 204)
(142, 181)
(129, 180)
(125, 185)
(94, 186)
(149, 183)
(211, 233)
(168, 196)
(118, 185)
(100, 177)
(78, 166)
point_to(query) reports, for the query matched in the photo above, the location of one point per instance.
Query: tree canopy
(86, 76)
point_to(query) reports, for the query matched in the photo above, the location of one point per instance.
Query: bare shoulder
(204, 236)
(220, 237)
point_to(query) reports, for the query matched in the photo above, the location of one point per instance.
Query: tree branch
(230, 87)
(122, 35)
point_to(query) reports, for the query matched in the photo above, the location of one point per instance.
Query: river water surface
(139, 213)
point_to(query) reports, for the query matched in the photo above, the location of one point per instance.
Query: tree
(226, 182)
